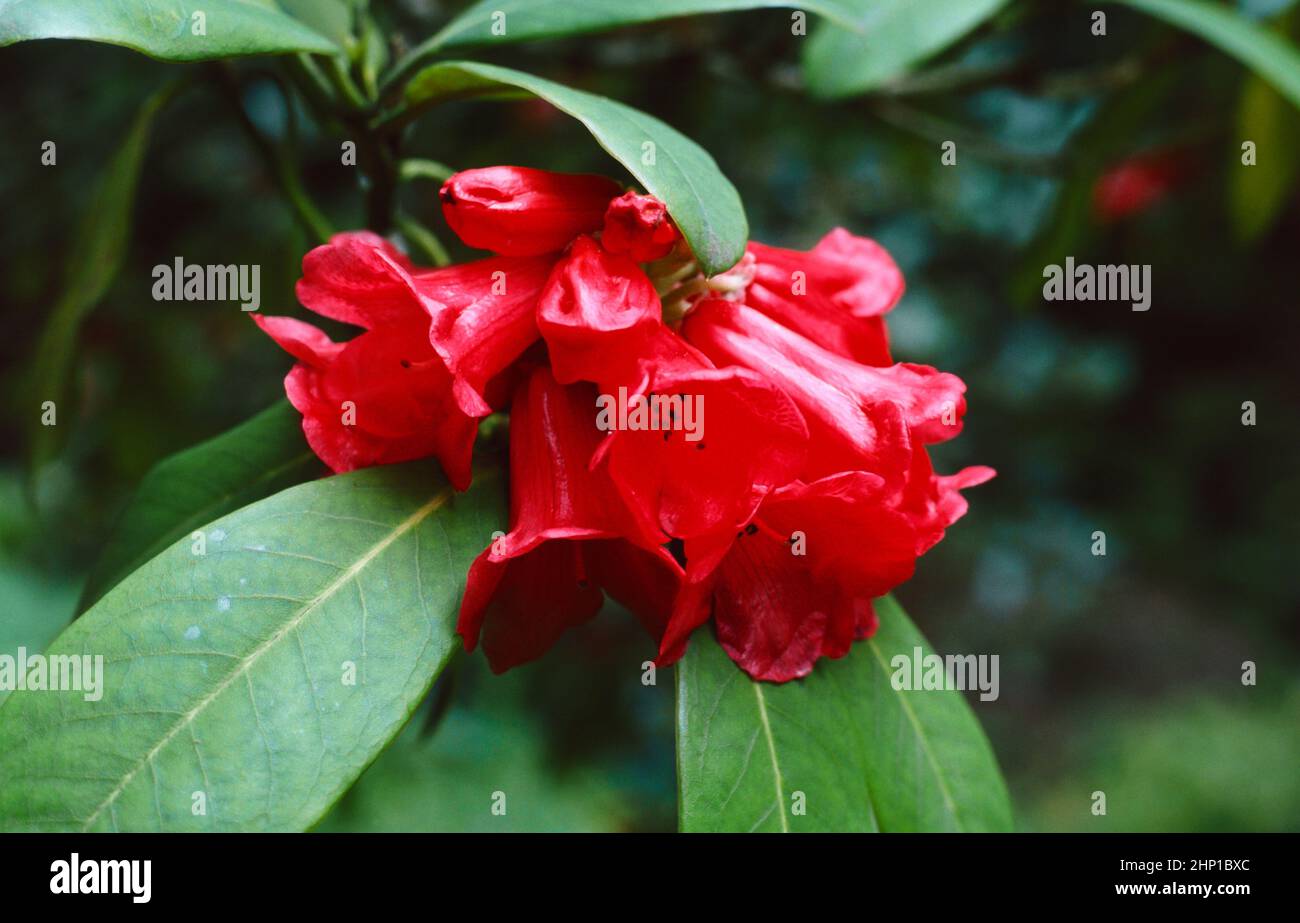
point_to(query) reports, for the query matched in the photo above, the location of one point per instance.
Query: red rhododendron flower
(384, 396)
(732, 437)
(754, 422)
(931, 401)
(797, 583)
(844, 433)
(570, 536)
(596, 312)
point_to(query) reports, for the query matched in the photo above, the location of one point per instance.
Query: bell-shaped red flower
(931, 401)
(797, 583)
(694, 448)
(518, 211)
(596, 313)
(385, 395)
(570, 536)
(845, 434)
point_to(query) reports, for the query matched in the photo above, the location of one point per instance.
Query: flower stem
(422, 239)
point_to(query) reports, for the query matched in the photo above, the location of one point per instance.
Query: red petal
(565, 541)
(740, 438)
(360, 278)
(797, 585)
(833, 294)
(844, 435)
(931, 401)
(520, 607)
(644, 582)
(694, 602)
(518, 211)
(382, 397)
(554, 493)
(773, 618)
(596, 312)
(934, 502)
(860, 275)
(485, 318)
(300, 339)
(863, 339)
(850, 535)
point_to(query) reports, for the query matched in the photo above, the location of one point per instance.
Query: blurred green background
(1119, 673)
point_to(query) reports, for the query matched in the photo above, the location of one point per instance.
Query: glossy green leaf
(500, 21)
(864, 756)
(892, 37)
(226, 674)
(94, 260)
(504, 21)
(668, 164)
(330, 18)
(260, 457)
(165, 30)
(1263, 51)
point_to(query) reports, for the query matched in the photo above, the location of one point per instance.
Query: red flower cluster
(808, 493)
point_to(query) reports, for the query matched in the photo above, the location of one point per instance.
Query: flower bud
(639, 226)
(518, 211)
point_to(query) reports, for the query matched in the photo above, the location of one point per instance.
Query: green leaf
(865, 756)
(226, 673)
(1266, 53)
(1258, 193)
(260, 457)
(331, 18)
(892, 37)
(164, 30)
(95, 258)
(502, 21)
(527, 20)
(701, 200)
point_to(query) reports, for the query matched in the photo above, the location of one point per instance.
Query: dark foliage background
(1119, 673)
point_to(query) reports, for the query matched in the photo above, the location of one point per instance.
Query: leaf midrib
(771, 750)
(330, 589)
